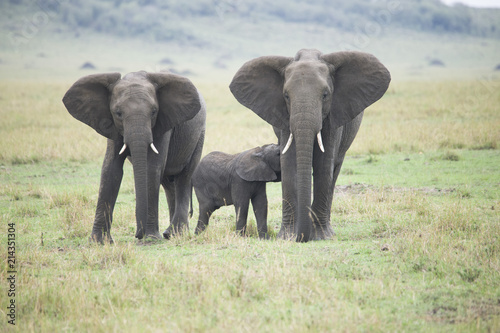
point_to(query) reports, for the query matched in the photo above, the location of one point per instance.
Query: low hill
(158, 19)
(220, 34)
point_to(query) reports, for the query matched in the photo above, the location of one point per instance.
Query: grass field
(416, 215)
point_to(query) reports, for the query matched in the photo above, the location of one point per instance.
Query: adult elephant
(158, 121)
(312, 97)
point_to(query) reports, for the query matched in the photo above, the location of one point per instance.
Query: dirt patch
(484, 309)
(353, 189)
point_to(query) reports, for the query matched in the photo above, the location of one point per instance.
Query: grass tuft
(450, 156)
(469, 274)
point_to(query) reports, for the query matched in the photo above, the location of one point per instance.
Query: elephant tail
(191, 202)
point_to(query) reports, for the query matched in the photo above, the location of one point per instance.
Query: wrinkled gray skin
(311, 93)
(137, 110)
(222, 180)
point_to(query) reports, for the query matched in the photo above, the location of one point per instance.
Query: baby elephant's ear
(252, 167)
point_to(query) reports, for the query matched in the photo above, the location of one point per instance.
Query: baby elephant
(222, 180)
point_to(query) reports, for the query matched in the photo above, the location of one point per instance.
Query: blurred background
(208, 40)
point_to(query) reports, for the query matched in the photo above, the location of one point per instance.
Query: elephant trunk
(139, 162)
(305, 124)
(304, 147)
(139, 141)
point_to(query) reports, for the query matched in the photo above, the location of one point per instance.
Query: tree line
(156, 17)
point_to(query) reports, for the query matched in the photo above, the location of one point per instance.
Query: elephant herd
(314, 102)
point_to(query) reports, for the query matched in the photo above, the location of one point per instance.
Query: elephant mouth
(278, 175)
(152, 145)
(318, 137)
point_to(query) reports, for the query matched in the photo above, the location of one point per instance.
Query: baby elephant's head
(260, 164)
(271, 155)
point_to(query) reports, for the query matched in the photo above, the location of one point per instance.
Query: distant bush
(436, 63)
(88, 65)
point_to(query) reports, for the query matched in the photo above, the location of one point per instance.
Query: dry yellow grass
(411, 117)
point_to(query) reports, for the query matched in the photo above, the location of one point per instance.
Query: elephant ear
(88, 101)
(252, 167)
(178, 100)
(258, 85)
(359, 79)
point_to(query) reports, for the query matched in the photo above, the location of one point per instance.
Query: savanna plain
(416, 216)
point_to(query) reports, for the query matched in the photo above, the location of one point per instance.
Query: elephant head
(260, 164)
(136, 110)
(298, 96)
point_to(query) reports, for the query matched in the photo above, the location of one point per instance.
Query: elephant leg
(179, 221)
(259, 204)
(241, 209)
(179, 211)
(321, 207)
(324, 183)
(206, 210)
(169, 187)
(289, 189)
(111, 177)
(326, 170)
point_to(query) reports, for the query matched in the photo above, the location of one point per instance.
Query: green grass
(417, 244)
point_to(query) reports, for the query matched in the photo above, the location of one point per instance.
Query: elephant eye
(325, 95)
(286, 96)
(154, 112)
(118, 113)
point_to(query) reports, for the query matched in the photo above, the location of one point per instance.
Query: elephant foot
(167, 233)
(319, 232)
(264, 235)
(139, 234)
(287, 233)
(150, 238)
(170, 231)
(322, 231)
(98, 238)
(153, 235)
(199, 228)
(198, 231)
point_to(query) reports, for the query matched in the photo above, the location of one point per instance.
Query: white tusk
(288, 144)
(153, 148)
(123, 149)
(320, 142)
